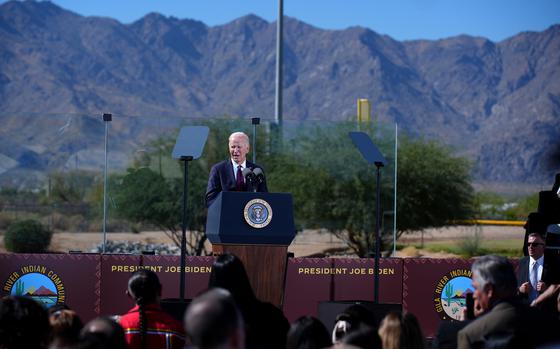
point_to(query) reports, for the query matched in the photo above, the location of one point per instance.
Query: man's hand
(478, 310)
(525, 288)
(541, 286)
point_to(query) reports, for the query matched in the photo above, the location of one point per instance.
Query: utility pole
(279, 73)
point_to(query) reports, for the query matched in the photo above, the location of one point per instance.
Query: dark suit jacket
(446, 337)
(509, 324)
(222, 178)
(523, 271)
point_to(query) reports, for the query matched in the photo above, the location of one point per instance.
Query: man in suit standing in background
(530, 270)
(228, 175)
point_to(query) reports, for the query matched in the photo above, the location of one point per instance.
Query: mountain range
(497, 103)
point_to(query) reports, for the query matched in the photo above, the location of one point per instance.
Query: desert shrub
(410, 251)
(28, 236)
(470, 245)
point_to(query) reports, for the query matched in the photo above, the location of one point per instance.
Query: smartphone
(470, 306)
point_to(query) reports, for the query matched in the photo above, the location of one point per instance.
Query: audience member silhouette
(390, 331)
(401, 331)
(364, 338)
(105, 333)
(446, 336)
(265, 325)
(65, 327)
(24, 323)
(308, 332)
(351, 319)
(147, 325)
(502, 320)
(413, 336)
(213, 321)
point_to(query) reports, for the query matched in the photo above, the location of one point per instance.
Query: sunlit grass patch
(502, 247)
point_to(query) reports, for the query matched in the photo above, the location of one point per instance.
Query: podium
(257, 228)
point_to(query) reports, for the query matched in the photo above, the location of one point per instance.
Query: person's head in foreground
(213, 321)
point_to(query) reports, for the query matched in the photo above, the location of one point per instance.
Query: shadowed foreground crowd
(228, 315)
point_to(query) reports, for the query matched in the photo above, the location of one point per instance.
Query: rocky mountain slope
(498, 103)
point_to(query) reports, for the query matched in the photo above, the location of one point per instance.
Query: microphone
(248, 175)
(259, 175)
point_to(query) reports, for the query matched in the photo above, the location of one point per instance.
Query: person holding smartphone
(501, 320)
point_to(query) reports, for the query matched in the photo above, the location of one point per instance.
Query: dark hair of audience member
(104, 332)
(412, 333)
(265, 324)
(56, 307)
(144, 287)
(65, 326)
(308, 332)
(365, 337)
(351, 319)
(24, 323)
(228, 272)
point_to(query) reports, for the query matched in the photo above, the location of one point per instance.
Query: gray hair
(496, 271)
(239, 134)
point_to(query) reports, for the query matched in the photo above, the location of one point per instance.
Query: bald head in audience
(213, 321)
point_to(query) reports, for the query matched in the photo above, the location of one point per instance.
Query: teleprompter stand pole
(106, 119)
(255, 122)
(373, 156)
(188, 146)
(378, 165)
(185, 160)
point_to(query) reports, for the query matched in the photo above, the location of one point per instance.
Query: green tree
(334, 188)
(70, 187)
(522, 207)
(433, 186)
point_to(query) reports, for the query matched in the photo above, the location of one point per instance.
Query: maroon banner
(197, 273)
(308, 281)
(434, 290)
(358, 281)
(115, 272)
(117, 269)
(54, 278)
(312, 280)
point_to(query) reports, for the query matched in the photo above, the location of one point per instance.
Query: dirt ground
(306, 243)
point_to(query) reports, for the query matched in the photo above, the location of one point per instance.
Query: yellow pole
(364, 110)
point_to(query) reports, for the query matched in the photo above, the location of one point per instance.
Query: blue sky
(400, 19)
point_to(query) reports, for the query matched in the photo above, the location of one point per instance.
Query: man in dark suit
(530, 270)
(502, 321)
(228, 174)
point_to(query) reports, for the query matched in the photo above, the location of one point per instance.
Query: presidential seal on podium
(257, 213)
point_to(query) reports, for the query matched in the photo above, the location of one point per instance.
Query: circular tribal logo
(257, 213)
(450, 293)
(37, 282)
